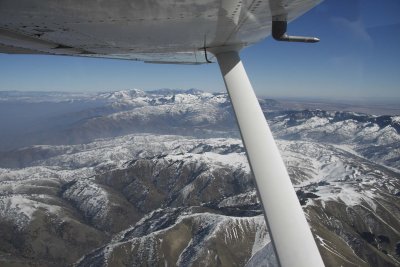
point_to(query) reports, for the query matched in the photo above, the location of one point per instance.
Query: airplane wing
(184, 31)
(145, 30)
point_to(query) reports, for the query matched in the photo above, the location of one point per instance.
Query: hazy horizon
(373, 106)
(347, 100)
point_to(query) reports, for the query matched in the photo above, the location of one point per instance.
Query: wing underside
(160, 31)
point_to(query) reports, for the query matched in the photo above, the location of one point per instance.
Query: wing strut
(293, 242)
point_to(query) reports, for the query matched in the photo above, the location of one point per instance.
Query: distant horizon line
(319, 99)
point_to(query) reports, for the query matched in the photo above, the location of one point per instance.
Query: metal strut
(293, 241)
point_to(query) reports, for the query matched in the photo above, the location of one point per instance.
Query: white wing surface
(146, 30)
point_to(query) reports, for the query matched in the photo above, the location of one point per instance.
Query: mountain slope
(156, 199)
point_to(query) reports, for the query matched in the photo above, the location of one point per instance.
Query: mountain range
(161, 178)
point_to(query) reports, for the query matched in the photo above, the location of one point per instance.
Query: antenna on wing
(205, 51)
(279, 33)
(205, 55)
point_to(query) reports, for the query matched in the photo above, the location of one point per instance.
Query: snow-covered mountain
(116, 114)
(146, 198)
(374, 137)
(196, 113)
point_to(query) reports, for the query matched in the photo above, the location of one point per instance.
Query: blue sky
(358, 56)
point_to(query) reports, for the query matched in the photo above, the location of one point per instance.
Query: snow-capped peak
(123, 94)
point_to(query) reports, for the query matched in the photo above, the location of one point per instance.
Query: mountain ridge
(164, 197)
